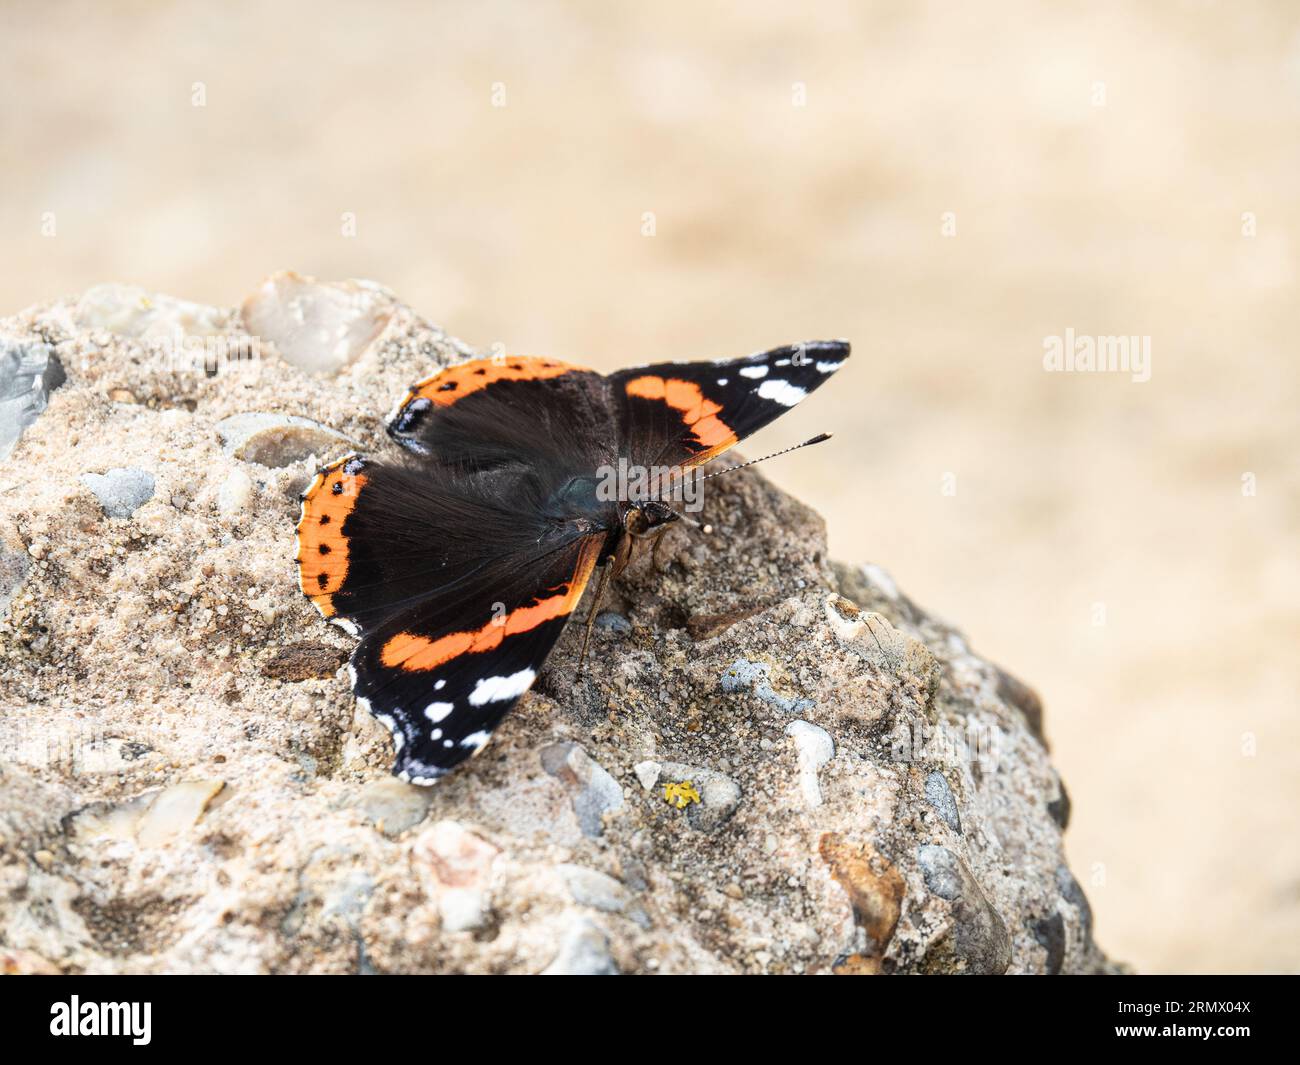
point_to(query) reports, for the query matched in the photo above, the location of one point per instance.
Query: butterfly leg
(591, 615)
(654, 549)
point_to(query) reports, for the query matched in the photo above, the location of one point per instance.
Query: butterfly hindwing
(685, 413)
(443, 673)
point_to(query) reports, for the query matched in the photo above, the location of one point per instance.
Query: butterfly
(459, 565)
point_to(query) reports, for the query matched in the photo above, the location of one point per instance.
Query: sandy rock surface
(772, 762)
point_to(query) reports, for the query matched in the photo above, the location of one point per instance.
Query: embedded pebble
(592, 888)
(719, 794)
(121, 490)
(130, 311)
(29, 372)
(647, 773)
(593, 791)
(277, 440)
(744, 675)
(235, 492)
(939, 795)
(608, 621)
(176, 809)
(815, 748)
(941, 869)
(393, 806)
(460, 865)
(15, 565)
(317, 326)
(584, 951)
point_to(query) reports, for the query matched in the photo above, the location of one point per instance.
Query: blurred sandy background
(1098, 159)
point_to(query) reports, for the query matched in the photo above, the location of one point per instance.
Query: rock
(1050, 933)
(235, 493)
(304, 660)
(815, 748)
(318, 326)
(743, 676)
(942, 870)
(874, 887)
(29, 372)
(939, 795)
(122, 490)
(393, 806)
(608, 621)
(584, 951)
(15, 564)
(974, 940)
(590, 888)
(647, 773)
(460, 863)
(183, 751)
(129, 311)
(719, 794)
(277, 440)
(593, 791)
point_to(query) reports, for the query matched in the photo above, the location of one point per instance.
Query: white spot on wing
(829, 367)
(753, 371)
(722, 381)
(435, 712)
(477, 740)
(782, 392)
(440, 685)
(499, 689)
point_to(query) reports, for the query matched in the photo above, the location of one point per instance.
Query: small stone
(942, 870)
(647, 773)
(874, 887)
(719, 794)
(129, 311)
(744, 675)
(608, 621)
(584, 951)
(278, 440)
(14, 568)
(1050, 933)
(815, 748)
(176, 809)
(939, 795)
(317, 326)
(393, 806)
(304, 661)
(460, 865)
(29, 372)
(591, 888)
(235, 493)
(593, 791)
(121, 490)
(43, 858)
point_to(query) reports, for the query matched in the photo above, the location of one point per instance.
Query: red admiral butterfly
(460, 567)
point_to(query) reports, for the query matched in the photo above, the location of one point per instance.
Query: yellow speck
(681, 795)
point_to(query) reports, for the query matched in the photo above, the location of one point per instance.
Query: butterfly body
(460, 566)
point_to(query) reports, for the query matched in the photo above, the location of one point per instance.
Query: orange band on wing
(456, 382)
(322, 548)
(412, 652)
(698, 411)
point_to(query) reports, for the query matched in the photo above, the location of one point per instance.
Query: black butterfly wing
(504, 412)
(442, 673)
(454, 566)
(685, 413)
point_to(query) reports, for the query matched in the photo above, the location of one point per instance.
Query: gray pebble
(121, 490)
(29, 372)
(608, 621)
(939, 795)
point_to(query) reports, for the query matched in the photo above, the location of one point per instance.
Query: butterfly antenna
(784, 451)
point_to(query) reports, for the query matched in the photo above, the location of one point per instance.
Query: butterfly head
(647, 517)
